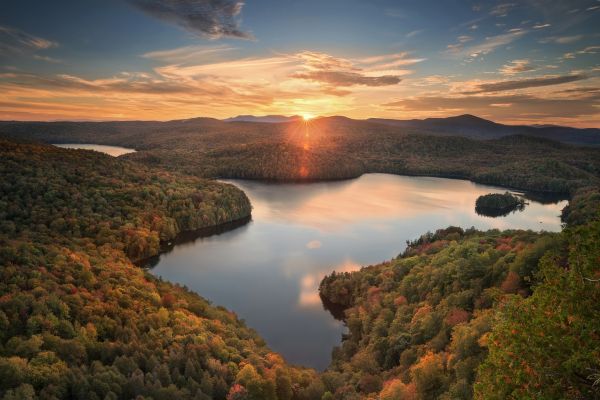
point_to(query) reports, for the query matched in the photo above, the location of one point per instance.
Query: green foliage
(47, 192)
(331, 148)
(420, 321)
(496, 204)
(547, 346)
(78, 320)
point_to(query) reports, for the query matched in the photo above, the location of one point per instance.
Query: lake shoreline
(559, 195)
(189, 237)
(300, 232)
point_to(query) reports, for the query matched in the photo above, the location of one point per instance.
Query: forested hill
(86, 195)
(468, 314)
(78, 320)
(330, 148)
(485, 315)
(478, 128)
(116, 132)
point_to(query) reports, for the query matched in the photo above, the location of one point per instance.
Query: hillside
(78, 320)
(123, 132)
(453, 317)
(478, 128)
(330, 148)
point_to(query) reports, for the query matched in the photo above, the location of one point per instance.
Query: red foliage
(400, 301)
(168, 300)
(512, 283)
(457, 316)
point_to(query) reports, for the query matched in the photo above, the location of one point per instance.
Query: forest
(468, 314)
(79, 320)
(331, 148)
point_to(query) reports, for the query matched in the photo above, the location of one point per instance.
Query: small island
(498, 204)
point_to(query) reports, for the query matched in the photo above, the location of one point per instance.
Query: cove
(268, 271)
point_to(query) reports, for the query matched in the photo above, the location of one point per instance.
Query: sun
(307, 116)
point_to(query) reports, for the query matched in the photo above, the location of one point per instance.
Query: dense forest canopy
(79, 320)
(454, 317)
(330, 148)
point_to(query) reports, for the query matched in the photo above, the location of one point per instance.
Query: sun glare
(307, 116)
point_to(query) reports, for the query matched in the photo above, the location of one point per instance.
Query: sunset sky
(533, 61)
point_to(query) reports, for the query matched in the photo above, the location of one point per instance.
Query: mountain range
(465, 125)
(139, 134)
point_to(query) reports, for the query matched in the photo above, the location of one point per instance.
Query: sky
(519, 62)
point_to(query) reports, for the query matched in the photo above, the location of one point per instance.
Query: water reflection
(269, 270)
(114, 151)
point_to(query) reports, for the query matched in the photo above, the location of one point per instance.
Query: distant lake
(114, 151)
(268, 271)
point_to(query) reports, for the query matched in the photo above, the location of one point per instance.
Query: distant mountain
(140, 134)
(272, 119)
(478, 128)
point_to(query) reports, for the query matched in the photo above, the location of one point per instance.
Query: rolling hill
(478, 128)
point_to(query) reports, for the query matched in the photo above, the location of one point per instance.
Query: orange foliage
(420, 313)
(512, 283)
(457, 316)
(400, 301)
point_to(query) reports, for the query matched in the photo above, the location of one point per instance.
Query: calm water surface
(114, 151)
(268, 271)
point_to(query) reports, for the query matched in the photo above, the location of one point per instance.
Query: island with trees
(498, 204)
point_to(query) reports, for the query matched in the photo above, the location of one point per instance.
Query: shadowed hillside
(330, 148)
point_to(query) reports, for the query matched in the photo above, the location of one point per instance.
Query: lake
(114, 151)
(268, 271)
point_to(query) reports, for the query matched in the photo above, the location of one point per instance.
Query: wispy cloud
(561, 39)
(187, 53)
(414, 33)
(283, 83)
(504, 107)
(13, 41)
(526, 83)
(211, 18)
(340, 72)
(47, 59)
(586, 50)
(502, 10)
(347, 78)
(490, 44)
(516, 67)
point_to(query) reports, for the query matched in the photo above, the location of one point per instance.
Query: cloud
(334, 72)
(285, 83)
(414, 33)
(47, 59)
(487, 46)
(501, 10)
(505, 107)
(516, 67)
(15, 41)
(344, 78)
(186, 53)
(210, 18)
(587, 50)
(526, 83)
(561, 39)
